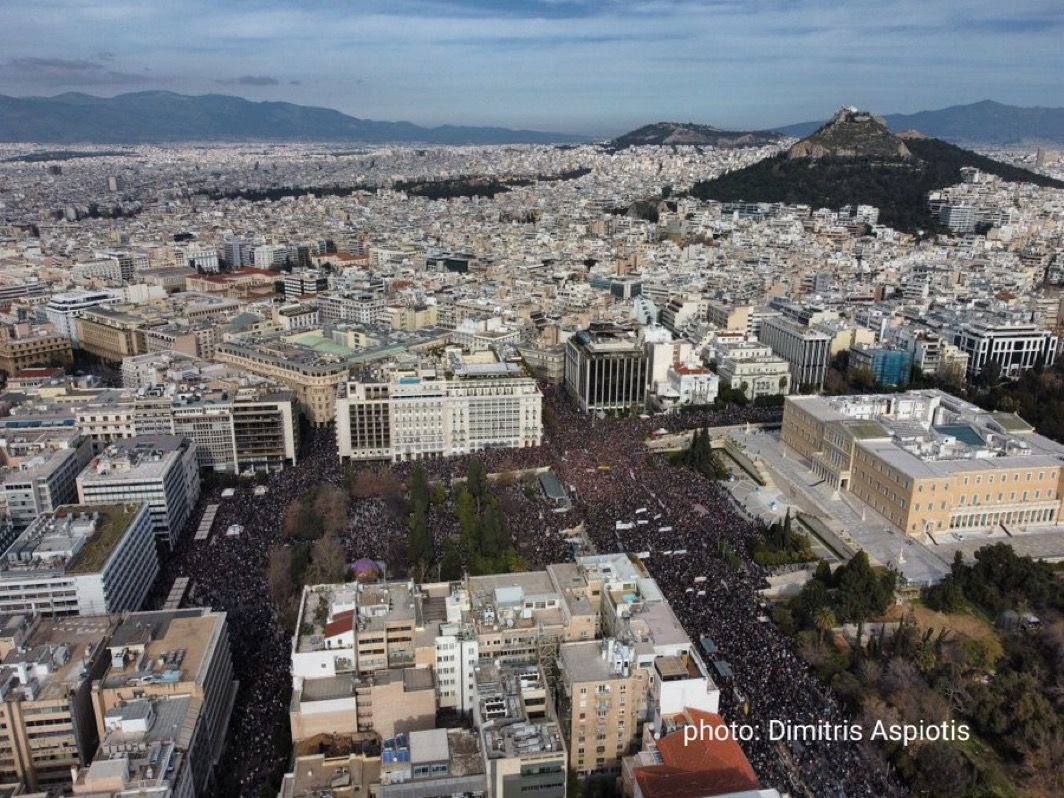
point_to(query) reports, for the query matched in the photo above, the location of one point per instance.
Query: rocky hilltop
(851, 134)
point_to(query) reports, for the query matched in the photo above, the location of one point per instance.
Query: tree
(330, 505)
(420, 550)
(451, 562)
(1013, 709)
(477, 480)
(938, 770)
(823, 572)
(290, 519)
(825, 621)
(279, 575)
(862, 593)
(328, 561)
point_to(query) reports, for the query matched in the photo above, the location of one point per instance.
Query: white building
(158, 469)
(751, 367)
(81, 561)
(1014, 346)
(687, 384)
(62, 310)
(44, 482)
(202, 260)
(420, 413)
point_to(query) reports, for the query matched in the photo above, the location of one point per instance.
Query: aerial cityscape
(559, 399)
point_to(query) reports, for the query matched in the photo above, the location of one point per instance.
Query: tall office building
(158, 469)
(806, 351)
(606, 368)
(47, 725)
(81, 560)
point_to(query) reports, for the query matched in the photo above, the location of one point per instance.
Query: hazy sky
(589, 66)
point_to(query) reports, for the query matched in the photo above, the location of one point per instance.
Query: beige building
(348, 768)
(22, 348)
(929, 462)
(388, 702)
(164, 655)
(603, 703)
(112, 333)
(47, 724)
(314, 377)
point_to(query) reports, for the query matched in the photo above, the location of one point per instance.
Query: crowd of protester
(611, 475)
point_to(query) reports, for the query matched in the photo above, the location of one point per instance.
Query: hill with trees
(689, 133)
(856, 160)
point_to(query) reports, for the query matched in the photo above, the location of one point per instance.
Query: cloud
(56, 72)
(251, 80)
(581, 65)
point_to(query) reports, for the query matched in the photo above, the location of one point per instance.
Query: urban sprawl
(412, 472)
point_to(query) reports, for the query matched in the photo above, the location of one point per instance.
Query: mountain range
(665, 133)
(985, 122)
(855, 159)
(163, 116)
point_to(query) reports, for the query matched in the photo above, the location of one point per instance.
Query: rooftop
(75, 539)
(514, 713)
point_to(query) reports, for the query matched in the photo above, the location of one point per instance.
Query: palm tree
(825, 621)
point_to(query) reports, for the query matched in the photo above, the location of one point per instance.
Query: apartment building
(156, 657)
(47, 725)
(23, 347)
(194, 338)
(150, 748)
(43, 481)
(522, 742)
(642, 669)
(422, 764)
(81, 560)
(355, 628)
(929, 462)
(160, 470)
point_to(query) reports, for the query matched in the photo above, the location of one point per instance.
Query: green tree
(825, 621)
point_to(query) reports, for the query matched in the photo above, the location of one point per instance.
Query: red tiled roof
(342, 623)
(705, 767)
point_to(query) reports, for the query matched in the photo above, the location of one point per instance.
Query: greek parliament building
(463, 404)
(929, 462)
(606, 368)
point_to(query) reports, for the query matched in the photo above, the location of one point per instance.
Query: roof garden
(111, 524)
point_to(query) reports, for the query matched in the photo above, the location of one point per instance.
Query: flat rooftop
(75, 539)
(162, 647)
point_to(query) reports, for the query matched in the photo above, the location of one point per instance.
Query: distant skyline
(597, 67)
